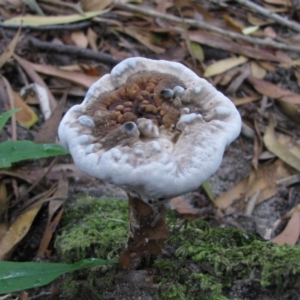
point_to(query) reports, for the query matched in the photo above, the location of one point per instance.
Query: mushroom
(155, 129)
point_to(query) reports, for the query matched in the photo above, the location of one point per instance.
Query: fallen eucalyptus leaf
(224, 65)
(52, 20)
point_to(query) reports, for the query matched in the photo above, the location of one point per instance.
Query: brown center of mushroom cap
(145, 95)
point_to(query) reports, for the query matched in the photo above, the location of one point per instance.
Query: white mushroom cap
(169, 154)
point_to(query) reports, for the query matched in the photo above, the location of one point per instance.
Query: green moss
(93, 228)
(206, 263)
(209, 261)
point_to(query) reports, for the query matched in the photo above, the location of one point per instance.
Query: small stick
(265, 12)
(73, 26)
(203, 25)
(74, 50)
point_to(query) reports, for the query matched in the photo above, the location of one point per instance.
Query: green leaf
(17, 276)
(14, 151)
(6, 115)
(208, 191)
(198, 51)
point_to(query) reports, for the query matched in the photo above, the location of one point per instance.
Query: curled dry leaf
(41, 96)
(183, 207)
(283, 148)
(291, 233)
(26, 116)
(263, 181)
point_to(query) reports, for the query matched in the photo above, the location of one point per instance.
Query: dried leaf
(292, 110)
(26, 116)
(204, 14)
(245, 71)
(291, 233)
(26, 65)
(279, 2)
(17, 231)
(229, 76)
(9, 51)
(79, 39)
(60, 196)
(48, 131)
(232, 195)
(234, 24)
(224, 65)
(31, 176)
(52, 20)
(297, 74)
(279, 149)
(257, 71)
(244, 100)
(212, 40)
(267, 65)
(93, 5)
(184, 208)
(92, 39)
(276, 9)
(143, 38)
(286, 61)
(250, 30)
(263, 181)
(254, 20)
(296, 63)
(273, 91)
(74, 77)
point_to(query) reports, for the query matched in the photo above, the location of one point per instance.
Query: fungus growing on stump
(155, 129)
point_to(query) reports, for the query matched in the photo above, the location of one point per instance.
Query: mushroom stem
(147, 233)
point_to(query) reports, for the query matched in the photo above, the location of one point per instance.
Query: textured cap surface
(152, 127)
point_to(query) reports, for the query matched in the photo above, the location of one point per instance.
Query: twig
(203, 25)
(74, 26)
(53, 162)
(11, 106)
(265, 12)
(73, 50)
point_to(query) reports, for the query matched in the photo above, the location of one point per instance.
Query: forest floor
(251, 54)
